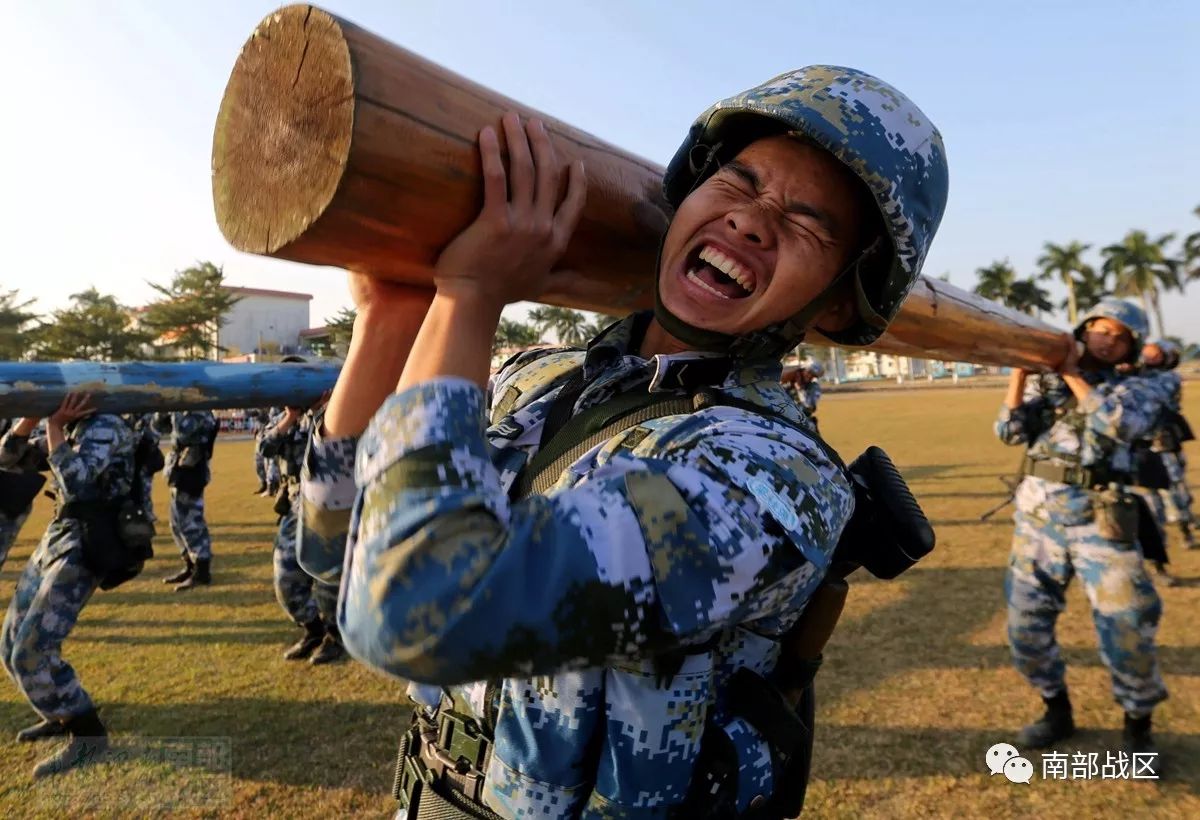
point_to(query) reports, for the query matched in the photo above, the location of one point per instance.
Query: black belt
(1074, 474)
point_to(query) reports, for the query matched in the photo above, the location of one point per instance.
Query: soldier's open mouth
(716, 273)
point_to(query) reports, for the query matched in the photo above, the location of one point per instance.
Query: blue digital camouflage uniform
(701, 536)
(143, 428)
(1175, 502)
(10, 459)
(1058, 536)
(192, 430)
(807, 396)
(95, 464)
(266, 468)
(714, 525)
(301, 596)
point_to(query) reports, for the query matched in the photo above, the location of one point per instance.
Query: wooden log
(38, 388)
(335, 147)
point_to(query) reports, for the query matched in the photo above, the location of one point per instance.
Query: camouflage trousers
(188, 527)
(1176, 501)
(10, 528)
(267, 469)
(50, 594)
(301, 596)
(1046, 555)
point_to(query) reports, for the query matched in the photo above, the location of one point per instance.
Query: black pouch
(283, 502)
(188, 479)
(17, 491)
(105, 553)
(1116, 516)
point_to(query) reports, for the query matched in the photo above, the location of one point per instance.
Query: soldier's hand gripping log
(335, 147)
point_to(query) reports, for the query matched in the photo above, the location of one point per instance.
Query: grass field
(917, 683)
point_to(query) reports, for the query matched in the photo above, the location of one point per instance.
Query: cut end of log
(283, 131)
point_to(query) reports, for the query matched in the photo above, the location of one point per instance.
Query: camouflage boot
(331, 648)
(183, 574)
(89, 739)
(200, 577)
(1139, 741)
(47, 728)
(1055, 725)
(314, 635)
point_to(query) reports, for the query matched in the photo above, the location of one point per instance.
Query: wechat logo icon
(1005, 759)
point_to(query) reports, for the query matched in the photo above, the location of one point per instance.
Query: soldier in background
(19, 485)
(1176, 500)
(91, 460)
(148, 458)
(258, 425)
(1075, 515)
(267, 466)
(188, 473)
(310, 603)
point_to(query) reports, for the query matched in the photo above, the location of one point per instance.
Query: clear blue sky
(1062, 120)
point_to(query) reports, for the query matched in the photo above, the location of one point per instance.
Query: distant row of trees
(545, 322)
(1139, 266)
(183, 323)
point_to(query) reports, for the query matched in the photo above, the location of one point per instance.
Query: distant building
(264, 322)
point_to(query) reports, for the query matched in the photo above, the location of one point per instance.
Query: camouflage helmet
(815, 370)
(1123, 311)
(1171, 353)
(877, 132)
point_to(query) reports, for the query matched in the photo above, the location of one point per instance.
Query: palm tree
(1191, 253)
(1089, 290)
(511, 334)
(570, 326)
(600, 321)
(1027, 296)
(1065, 262)
(1140, 266)
(996, 281)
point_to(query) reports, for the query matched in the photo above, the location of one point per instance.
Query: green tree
(341, 328)
(1065, 263)
(1140, 266)
(600, 321)
(511, 335)
(95, 327)
(1191, 253)
(570, 327)
(1027, 296)
(15, 318)
(996, 281)
(190, 312)
(1089, 290)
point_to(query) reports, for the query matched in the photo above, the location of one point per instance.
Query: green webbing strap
(591, 427)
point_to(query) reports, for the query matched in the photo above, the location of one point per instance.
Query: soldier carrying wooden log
(643, 521)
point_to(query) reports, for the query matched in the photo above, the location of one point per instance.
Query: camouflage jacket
(1100, 431)
(701, 534)
(192, 430)
(807, 396)
(95, 463)
(288, 446)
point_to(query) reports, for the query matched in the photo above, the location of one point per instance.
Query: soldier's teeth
(728, 267)
(692, 275)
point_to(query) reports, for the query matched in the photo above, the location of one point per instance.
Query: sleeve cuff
(328, 477)
(440, 411)
(60, 454)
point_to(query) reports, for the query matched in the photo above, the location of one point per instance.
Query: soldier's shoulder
(531, 374)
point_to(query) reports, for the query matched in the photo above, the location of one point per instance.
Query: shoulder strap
(591, 427)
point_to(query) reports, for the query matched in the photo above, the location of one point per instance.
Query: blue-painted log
(38, 388)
